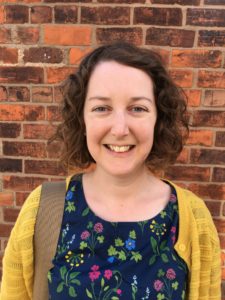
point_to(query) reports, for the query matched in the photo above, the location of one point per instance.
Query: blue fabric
(101, 260)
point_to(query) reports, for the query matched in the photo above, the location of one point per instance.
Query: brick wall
(41, 43)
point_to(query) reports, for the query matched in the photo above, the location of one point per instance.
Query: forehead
(113, 76)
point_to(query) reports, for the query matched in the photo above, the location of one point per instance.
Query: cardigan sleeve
(215, 275)
(17, 277)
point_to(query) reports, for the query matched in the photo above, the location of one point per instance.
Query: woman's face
(120, 116)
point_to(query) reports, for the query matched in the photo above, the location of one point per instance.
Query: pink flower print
(173, 239)
(98, 227)
(173, 229)
(173, 198)
(95, 274)
(158, 285)
(108, 274)
(170, 274)
(118, 291)
(85, 235)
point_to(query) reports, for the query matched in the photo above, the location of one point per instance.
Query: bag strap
(46, 233)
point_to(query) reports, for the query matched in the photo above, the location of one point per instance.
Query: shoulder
(194, 212)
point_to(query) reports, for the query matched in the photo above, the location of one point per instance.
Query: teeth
(119, 148)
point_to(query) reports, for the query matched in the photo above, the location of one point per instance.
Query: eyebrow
(132, 98)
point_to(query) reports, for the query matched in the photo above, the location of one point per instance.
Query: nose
(120, 126)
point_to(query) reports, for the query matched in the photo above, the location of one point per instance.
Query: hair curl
(171, 129)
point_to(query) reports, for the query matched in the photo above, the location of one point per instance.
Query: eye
(100, 109)
(139, 109)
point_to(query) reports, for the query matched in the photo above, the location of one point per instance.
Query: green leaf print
(100, 239)
(49, 277)
(112, 251)
(70, 206)
(163, 245)
(89, 294)
(63, 271)
(132, 235)
(106, 288)
(122, 255)
(90, 225)
(60, 287)
(102, 282)
(85, 212)
(136, 256)
(75, 281)
(154, 244)
(160, 296)
(83, 245)
(73, 188)
(119, 242)
(74, 275)
(175, 285)
(161, 273)
(114, 298)
(152, 260)
(72, 292)
(164, 258)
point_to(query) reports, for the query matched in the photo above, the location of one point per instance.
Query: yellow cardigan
(197, 244)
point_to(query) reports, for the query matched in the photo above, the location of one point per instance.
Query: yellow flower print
(158, 229)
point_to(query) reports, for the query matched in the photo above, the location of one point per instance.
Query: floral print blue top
(102, 260)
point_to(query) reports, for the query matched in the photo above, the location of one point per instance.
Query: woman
(125, 233)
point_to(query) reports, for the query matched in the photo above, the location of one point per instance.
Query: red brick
(5, 230)
(44, 167)
(67, 35)
(218, 174)
(3, 94)
(2, 14)
(11, 112)
(58, 94)
(10, 165)
(76, 54)
(54, 113)
(214, 98)
(16, 183)
(182, 78)
(211, 79)
(224, 209)
(43, 55)
(41, 14)
(54, 150)
(188, 173)
(193, 97)
(10, 214)
(170, 37)
(9, 130)
(34, 113)
(220, 139)
(42, 94)
(68, 1)
(180, 2)
(18, 94)
(211, 38)
(56, 75)
(207, 156)
(9, 55)
(132, 35)
(214, 2)
(158, 16)
(206, 17)
(222, 242)
(220, 225)
(20, 198)
(196, 58)
(28, 35)
(183, 156)
(200, 137)
(214, 207)
(122, 1)
(66, 14)
(208, 191)
(6, 198)
(5, 35)
(105, 15)
(28, 149)
(209, 118)
(16, 14)
(38, 131)
(22, 75)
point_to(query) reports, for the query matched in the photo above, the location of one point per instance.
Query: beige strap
(47, 229)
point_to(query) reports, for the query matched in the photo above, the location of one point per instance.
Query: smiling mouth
(119, 149)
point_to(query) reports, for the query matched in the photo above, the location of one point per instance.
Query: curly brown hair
(171, 129)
